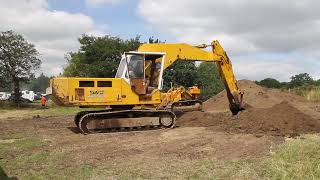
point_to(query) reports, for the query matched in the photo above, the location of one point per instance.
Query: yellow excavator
(133, 99)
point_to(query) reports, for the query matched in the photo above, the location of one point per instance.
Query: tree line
(299, 80)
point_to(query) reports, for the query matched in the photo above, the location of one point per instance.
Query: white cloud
(246, 28)
(279, 67)
(95, 3)
(54, 33)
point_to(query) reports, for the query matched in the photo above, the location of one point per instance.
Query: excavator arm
(185, 52)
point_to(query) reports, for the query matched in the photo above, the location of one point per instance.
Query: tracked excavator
(133, 99)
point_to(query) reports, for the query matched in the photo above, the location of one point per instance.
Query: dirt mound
(279, 120)
(255, 96)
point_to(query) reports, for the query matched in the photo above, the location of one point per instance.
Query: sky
(265, 38)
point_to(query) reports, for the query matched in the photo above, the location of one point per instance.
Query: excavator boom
(185, 52)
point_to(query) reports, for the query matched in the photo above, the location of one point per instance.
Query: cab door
(136, 63)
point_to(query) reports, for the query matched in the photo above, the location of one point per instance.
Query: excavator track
(82, 113)
(130, 120)
(90, 122)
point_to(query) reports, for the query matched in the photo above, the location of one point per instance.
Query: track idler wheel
(85, 119)
(78, 117)
(167, 121)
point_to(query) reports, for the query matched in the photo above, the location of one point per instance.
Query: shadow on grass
(4, 176)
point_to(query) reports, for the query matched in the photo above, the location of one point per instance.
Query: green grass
(47, 165)
(24, 158)
(297, 159)
(10, 147)
(11, 136)
(31, 112)
(311, 93)
(51, 166)
(33, 158)
(35, 109)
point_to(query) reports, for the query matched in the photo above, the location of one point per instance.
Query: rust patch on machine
(79, 94)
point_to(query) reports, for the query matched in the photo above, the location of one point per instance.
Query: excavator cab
(143, 71)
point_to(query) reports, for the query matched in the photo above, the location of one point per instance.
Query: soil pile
(269, 111)
(279, 120)
(255, 96)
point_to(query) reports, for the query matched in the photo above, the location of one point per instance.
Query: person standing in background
(43, 101)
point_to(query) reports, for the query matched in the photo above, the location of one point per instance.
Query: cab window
(136, 67)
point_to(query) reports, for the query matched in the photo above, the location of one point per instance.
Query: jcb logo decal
(95, 94)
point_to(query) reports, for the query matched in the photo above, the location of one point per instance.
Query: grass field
(30, 110)
(296, 159)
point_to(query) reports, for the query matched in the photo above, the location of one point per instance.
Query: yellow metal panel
(60, 90)
(225, 68)
(128, 96)
(96, 94)
(176, 52)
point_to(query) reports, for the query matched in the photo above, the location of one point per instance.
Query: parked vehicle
(22, 100)
(28, 95)
(4, 96)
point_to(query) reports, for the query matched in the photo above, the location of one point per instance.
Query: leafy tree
(270, 83)
(285, 85)
(300, 80)
(209, 80)
(185, 73)
(152, 40)
(98, 56)
(180, 73)
(18, 60)
(39, 84)
(4, 83)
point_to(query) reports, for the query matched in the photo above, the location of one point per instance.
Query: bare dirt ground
(212, 135)
(169, 153)
(182, 142)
